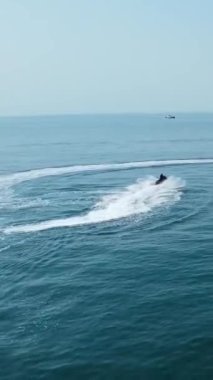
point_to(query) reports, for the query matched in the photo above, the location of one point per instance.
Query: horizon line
(103, 114)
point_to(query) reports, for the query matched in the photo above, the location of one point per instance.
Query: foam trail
(138, 198)
(13, 179)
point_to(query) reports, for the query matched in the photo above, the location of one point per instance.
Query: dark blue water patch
(128, 298)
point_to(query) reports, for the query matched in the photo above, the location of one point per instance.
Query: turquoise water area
(104, 275)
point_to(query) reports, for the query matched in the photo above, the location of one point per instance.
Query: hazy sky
(88, 56)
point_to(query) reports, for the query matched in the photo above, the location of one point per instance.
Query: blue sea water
(102, 274)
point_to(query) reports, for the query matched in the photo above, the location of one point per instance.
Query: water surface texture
(104, 275)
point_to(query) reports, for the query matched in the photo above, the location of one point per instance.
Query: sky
(105, 56)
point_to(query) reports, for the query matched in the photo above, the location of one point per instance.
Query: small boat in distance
(170, 117)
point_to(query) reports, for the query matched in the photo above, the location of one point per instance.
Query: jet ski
(161, 179)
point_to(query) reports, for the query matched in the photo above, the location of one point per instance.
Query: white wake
(10, 180)
(139, 198)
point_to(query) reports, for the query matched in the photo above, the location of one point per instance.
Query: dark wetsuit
(161, 179)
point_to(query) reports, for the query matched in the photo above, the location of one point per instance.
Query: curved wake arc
(139, 198)
(13, 179)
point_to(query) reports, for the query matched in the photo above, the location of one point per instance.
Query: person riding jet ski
(161, 179)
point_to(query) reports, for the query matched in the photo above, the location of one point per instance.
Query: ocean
(104, 275)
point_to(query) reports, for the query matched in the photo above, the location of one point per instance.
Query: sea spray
(138, 198)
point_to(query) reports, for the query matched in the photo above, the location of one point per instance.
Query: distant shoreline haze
(110, 56)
